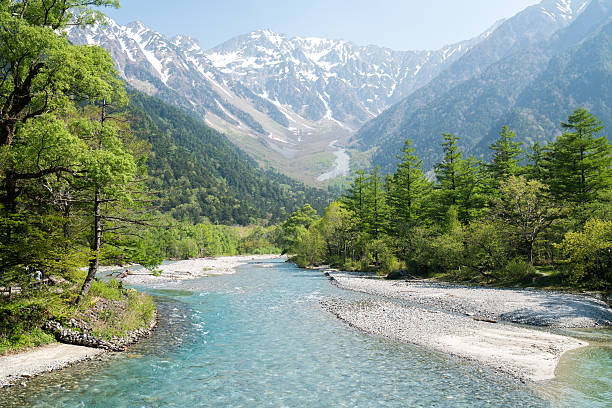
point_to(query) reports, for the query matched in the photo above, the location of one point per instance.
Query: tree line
(88, 179)
(539, 215)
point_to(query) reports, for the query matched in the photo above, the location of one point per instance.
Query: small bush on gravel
(517, 271)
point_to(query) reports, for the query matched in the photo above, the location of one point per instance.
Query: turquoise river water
(260, 338)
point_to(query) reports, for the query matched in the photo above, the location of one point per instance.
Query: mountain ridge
(285, 114)
(474, 100)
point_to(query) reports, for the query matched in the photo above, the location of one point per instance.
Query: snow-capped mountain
(510, 78)
(175, 70)
(329, 79)
(284, 99)
(278, 98)
(565, 10)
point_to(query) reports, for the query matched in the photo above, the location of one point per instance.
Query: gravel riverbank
(524, 306)
(191, 269)
(19, 367)
(463, 321)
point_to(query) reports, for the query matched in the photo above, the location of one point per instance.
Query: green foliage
(198, 175)
(296, 226)
(589, 254)
(526, 211)
(517, 271)
(407, 191)
(460, 182)
(355, 200)
(506, 156)
(310, 246)
(447, 170)
(109, 290)
(490, 223)
(376, 208)
(486, 250)
(579, 163)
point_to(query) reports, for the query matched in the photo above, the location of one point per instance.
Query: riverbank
(475, 323)
(190, 269)
(20, 367)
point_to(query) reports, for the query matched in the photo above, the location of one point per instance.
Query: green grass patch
(117, 313)
(111, 290)
(109, 310)
(24, 339)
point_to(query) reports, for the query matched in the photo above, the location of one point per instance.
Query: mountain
(199, 174)
(329, 79)
(534, 70)
(284, 100)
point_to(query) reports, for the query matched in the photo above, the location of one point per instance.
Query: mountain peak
(186, 42)
(137, 26)
(269, 35)
(565, 9)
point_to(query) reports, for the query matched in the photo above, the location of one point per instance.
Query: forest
(93, 174)
(541, 216)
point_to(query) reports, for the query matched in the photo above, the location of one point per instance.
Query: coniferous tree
(407, 189)
(579, 162)
(376, 204)
(470, 188)
(506, 156)
(536, 168)
(447, 170)
(355, 200)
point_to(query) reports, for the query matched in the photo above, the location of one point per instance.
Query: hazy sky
(397, 24)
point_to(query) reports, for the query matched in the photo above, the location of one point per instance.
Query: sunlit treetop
(57, 14)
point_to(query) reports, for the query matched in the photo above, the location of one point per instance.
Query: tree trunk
(97, 236)
(94, 262)
(10, 203)
(531, 252)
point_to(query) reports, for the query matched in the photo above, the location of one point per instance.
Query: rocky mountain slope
(281, 99)
(530, 73)
(289, 102)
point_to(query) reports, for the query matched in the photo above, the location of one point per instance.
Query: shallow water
(260, 338)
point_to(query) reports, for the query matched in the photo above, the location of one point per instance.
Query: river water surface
(260, 338)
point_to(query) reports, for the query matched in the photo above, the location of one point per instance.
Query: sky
(396, 24)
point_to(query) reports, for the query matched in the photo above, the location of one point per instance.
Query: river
(260, 338)
(341, 165)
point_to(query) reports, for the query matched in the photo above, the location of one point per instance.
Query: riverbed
(261, 338)
(341, 166)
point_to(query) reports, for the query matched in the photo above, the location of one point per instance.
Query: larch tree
(376, 204)
(355, 200)
(407, 190)
(579, 163)
(506, 156)
(447, 170)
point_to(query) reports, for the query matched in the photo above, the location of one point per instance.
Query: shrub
(589, 254)
(517, 271)
(388, 263)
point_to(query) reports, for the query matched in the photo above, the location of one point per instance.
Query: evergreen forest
(537, 216)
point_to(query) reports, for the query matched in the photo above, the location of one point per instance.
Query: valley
(280, 99)
(244, 217)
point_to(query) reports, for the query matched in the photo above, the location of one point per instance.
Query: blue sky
(397, 24)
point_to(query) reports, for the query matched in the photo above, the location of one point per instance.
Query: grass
(110, 310)
(22, 318)
(114, 311)
(25, 339)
